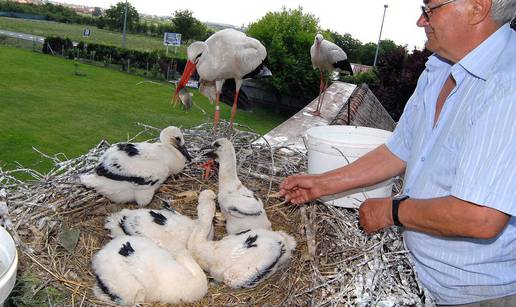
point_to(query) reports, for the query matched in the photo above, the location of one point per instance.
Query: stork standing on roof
(326, 56)
(227, 54)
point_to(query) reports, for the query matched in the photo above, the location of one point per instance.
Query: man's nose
(421, 21)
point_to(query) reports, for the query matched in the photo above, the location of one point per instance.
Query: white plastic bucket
(8, 264)
(330, 147)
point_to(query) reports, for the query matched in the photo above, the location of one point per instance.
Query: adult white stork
(326, 56)
(227, 54)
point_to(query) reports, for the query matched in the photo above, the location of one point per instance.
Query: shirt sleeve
(486, 169)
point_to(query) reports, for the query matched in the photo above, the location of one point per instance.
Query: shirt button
(422, 159)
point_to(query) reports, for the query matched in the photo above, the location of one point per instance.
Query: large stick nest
(335, 263)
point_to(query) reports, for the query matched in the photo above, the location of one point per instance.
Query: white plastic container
(330, 147)
(8, 264)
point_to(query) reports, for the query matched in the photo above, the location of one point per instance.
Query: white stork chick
(227, 54)
(134, 171)
(167, 228)
(242, 260)
(326, 56)
(239, 205)
(131, 270)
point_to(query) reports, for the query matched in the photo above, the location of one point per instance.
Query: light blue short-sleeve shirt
(471, 154)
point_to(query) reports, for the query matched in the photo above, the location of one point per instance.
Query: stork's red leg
(217, 112)
(324, 88)
(321, 88)
(323, 94)
(234, 108)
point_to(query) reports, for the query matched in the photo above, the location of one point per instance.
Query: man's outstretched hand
(300, 188)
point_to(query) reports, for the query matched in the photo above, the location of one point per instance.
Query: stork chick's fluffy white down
(130, 270)
(242, 260)
(134, 171)
(239, 205)
(167, 228)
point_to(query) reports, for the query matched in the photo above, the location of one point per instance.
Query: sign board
(171, 39)
(86, 32)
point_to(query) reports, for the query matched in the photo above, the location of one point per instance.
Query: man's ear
(479, 11)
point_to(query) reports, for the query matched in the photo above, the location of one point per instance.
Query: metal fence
(151, 72)
(33, 45)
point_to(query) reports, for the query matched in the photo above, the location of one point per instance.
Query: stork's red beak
(187, 73)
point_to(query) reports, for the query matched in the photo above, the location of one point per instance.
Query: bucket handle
(363, 192)
(305, 141)
(341, 153)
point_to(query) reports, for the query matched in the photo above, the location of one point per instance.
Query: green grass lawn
(45, 105)
(98, 36)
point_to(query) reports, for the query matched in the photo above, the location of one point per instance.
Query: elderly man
(456, 145)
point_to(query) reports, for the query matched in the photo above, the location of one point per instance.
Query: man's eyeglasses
(427, 11)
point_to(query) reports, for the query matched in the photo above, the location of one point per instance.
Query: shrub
(369, 77)
(288, 36)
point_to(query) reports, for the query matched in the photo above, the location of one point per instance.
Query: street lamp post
(385, 6)
(125, 25)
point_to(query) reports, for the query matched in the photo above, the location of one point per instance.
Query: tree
(288, 35)
(209, 32)
(387, 46)
(398, 73)
(115, 16)
(349, 44)
(97, 12)
(190, 27)
(368, 51)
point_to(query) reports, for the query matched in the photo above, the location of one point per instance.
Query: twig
(310, 237)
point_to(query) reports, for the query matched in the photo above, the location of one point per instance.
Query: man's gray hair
(503, 11)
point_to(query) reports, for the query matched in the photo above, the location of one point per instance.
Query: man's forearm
(374, 167)
(450, 216)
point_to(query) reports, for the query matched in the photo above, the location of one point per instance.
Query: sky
(360, 18)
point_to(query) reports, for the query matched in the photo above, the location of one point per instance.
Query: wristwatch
(396, 201)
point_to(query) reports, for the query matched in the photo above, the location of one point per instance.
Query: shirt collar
(436, 62)
(481, 60)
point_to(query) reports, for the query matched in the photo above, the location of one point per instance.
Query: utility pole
(125, 25)
(385, 6)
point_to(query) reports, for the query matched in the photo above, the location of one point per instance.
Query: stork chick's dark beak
(208, 152)
(211, 154)
(182, 149)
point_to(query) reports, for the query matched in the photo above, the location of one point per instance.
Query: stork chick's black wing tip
(126, 249)
(129, 148)
(158, 218)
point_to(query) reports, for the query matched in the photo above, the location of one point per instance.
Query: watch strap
(396, 201)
